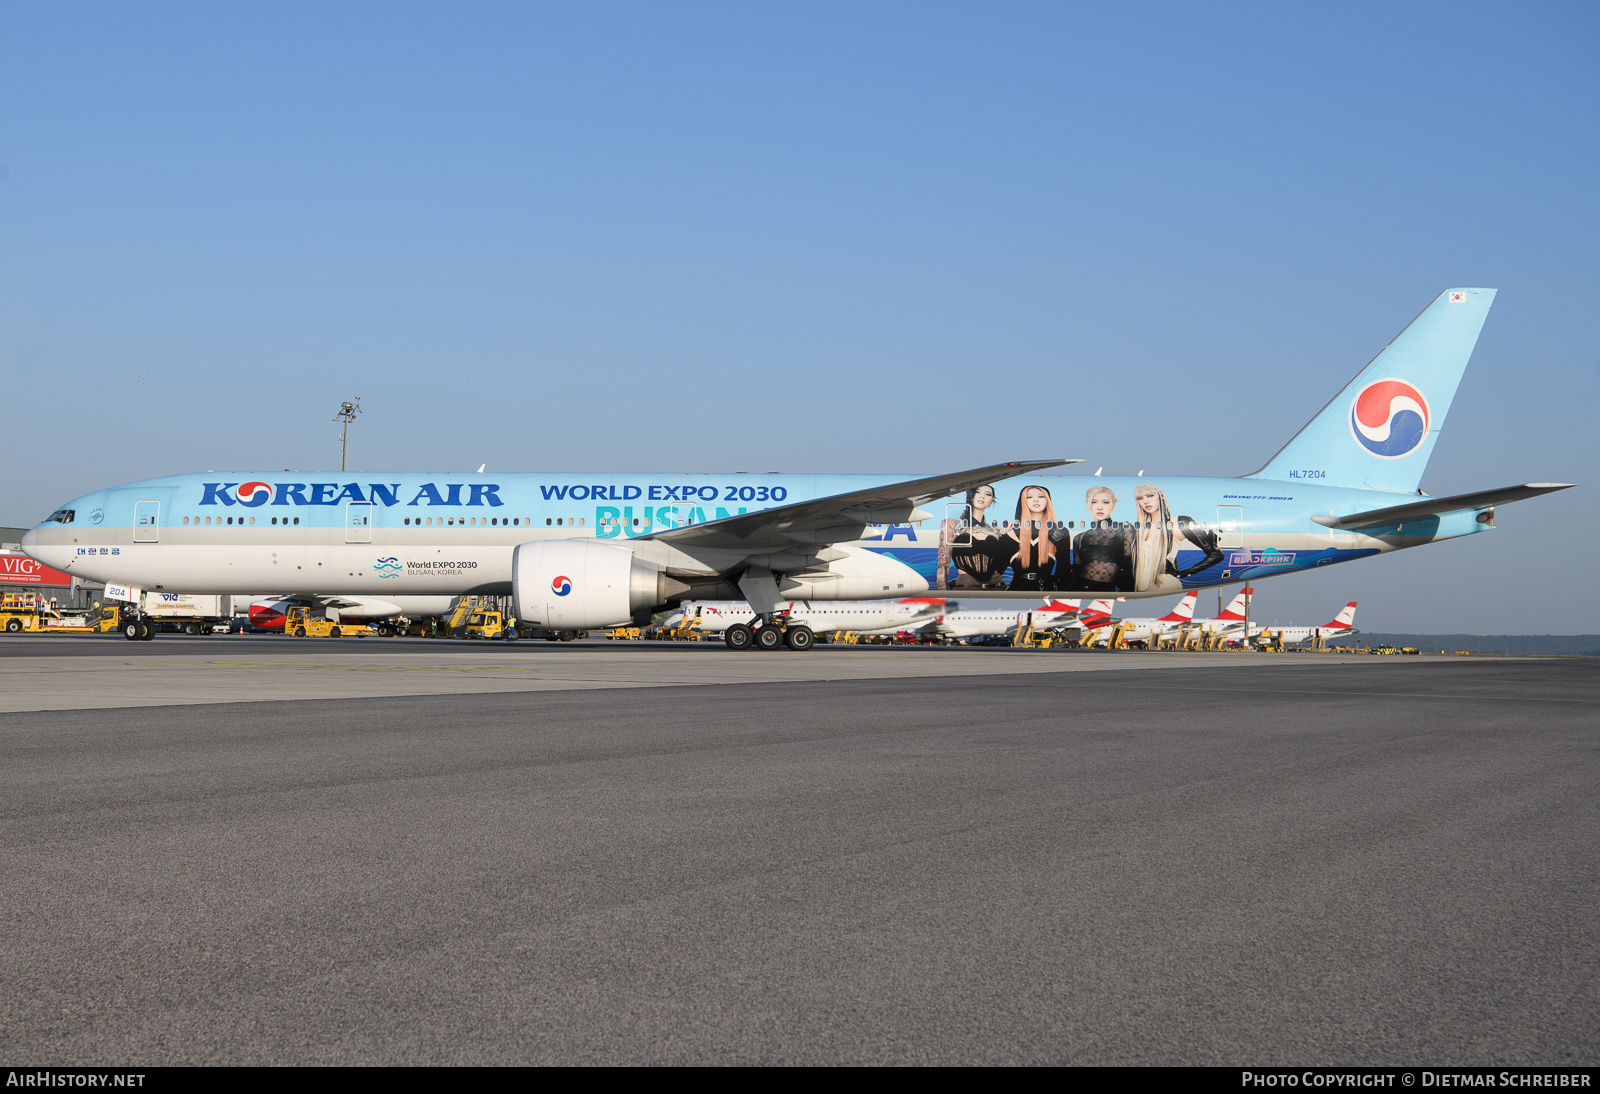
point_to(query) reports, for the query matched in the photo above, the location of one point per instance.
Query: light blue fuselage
(409, 533)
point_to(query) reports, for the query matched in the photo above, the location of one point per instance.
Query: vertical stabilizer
(1183, 612)
(1237, 606)
(1344, 620)
(1380, 430)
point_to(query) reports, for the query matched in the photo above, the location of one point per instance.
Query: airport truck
(190, 613)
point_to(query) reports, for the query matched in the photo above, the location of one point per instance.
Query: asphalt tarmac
(79, 673)
(1391, 861)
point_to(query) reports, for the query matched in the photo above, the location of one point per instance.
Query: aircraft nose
(50, 554)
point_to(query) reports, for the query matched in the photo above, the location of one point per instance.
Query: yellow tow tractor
(30, 613)
(484, 623)
(300, 624)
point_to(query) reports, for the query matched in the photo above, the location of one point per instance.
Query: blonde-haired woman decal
(1157, 538)
(1105, 550)
(1155, 541)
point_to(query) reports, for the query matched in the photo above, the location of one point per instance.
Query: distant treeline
(1583, 645)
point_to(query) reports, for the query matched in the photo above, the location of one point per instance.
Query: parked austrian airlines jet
(822, 616)
(1230, 620)
(971, 623)
(1143, 630)
(579, 551)
(1342, 626)
(268, 613)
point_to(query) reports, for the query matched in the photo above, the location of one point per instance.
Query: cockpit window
(62, 516)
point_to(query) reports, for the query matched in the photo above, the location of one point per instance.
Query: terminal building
(21, 574)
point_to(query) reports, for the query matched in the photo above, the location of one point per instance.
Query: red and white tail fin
(1183, 612)
(1097, 614)
(1064, 607)
(1239, 605)
(1344, 620)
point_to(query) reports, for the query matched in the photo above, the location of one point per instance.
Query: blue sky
(909, 237)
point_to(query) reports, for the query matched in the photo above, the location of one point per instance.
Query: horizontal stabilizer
(839, 518)
(1424, 507)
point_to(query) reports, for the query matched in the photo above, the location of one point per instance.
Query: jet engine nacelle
(571, 584)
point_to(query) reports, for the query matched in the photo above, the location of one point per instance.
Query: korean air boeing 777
(578, 551)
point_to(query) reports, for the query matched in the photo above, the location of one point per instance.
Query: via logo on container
(561, 586)
(1389, 418)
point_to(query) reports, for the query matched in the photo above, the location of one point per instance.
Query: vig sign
(21, 570)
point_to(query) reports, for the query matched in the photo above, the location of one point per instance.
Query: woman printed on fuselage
(1104, 551)
(1035, 558)
(1157, 538)
(1155, 541)
(973, 545)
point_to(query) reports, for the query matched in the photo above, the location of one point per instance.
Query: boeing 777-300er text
(579, 551)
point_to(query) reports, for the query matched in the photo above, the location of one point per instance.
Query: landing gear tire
(738, 637)
(768, 637)
(800, 638)
(147, 630)
(130, 630)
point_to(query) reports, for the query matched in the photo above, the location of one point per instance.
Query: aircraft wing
(842, 517)
(1424, 507)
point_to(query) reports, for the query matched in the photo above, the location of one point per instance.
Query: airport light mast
(347, 414)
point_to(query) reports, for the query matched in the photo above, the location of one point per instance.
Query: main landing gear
(138, 629)
(769, 635)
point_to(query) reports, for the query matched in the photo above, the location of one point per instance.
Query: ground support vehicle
(188, 613)
(29, 613)
(300, 624)
(490, 624)
(550, 635)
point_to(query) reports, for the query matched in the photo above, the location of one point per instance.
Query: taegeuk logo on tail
(1389, 418)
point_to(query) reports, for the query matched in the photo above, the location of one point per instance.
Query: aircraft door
(358, 522)
(1230, 526)
(955, 519)
(146, 522)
